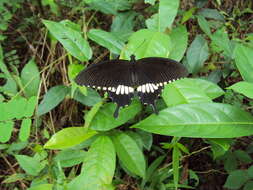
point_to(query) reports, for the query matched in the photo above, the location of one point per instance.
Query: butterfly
(122, 79)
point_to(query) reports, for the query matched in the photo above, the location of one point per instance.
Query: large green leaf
(52, 98)
(179, 38)
(129, 153)
(106, 39)
(236, 179)
(147, 43)
(30, 78)
(197, 54)
(104, 119)
(204, 25)
(190, 91)
(246, 88)
(71, 39)
(69, 137)
(165, 16)
(99, 166)
(204, 120)
(244, 61)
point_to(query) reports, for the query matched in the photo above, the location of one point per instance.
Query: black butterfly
(122, 78)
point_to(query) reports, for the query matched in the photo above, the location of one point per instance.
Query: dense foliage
(55, 134)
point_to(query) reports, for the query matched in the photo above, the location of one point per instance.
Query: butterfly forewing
(112, 76)
(153, 73)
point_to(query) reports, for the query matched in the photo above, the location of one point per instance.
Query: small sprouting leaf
(129, 153)
(197, 54)
(25, 128)
(30, 78)
(52, 98)
(106, 39)
(69, 137)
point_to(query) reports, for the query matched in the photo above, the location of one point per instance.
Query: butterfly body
(122, 78)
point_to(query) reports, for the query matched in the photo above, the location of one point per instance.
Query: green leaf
(31, 165)
(197, 54)
(204, 25)
(14, 178)
(10, 86)
(30, 78)
(41, 187)
(151, 169)
(104, 120)
(165, 17)
(202, 120)
(147, 43)
(186, 91)
(91, 114)
(68, 137)
(236, 179)
(109, 7)
(219, 146)
(221, 41)
(243, 156)
(99, 166)
(211, 13)
(122, 25)
(91, 99)
(175, 165)
(250, 171)
(147, 139)
(230, 163)
(188, 14)
(152, 2)
(244, 61)
(25, 128)
(243, 87)
(72, 40)
(248, 185)
(30, 106)
(129, 153)
(52, 98)
(179, 38)
(106, 39)
(69, 158)
(5, 130)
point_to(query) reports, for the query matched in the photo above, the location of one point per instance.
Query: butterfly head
(132, 57)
